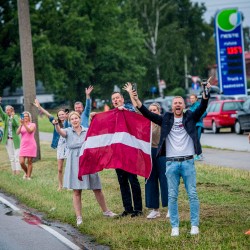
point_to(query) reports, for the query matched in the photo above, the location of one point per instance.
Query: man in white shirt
(179, 142)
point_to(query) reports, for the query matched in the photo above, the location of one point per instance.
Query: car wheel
(237, 128)
(214, 128)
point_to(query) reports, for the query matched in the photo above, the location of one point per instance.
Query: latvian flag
(117, 139)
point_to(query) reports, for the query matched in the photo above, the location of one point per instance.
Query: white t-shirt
(178, 142)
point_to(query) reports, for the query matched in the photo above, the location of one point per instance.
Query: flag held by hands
(117, 139)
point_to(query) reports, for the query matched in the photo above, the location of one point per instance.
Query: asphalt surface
(18, 233)
(228, 150)
(226, 158)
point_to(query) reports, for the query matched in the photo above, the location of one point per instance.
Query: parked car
(165, 102)
(222, 114)
(235, 97)
(242, 121)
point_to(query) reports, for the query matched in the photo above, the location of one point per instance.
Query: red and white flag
(117, 139)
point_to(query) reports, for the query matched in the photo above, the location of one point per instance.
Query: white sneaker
(168, 215)
(194, 230)
(153, 214)
(79, 220)
(175, 231)
(109, 214)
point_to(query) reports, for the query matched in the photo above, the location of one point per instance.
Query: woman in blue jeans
(157, 182)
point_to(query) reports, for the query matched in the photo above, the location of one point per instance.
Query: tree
(118, 47)
(174, 29)
(86, 42)
(197, 36)
(10, 63)
(76, 43)
(163, 38)
(61, 38)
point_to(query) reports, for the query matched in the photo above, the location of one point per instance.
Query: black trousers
(127, 183)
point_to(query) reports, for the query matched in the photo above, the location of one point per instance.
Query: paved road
(23, 228)
(226, 140)
(229, 149)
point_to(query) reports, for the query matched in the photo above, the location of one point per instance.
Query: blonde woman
(157, 184)
(28, 147)
(75, 137)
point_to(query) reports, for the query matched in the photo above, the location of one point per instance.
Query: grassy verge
(44, 124)
(224, 196)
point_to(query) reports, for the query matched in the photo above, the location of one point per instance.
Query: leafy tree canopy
(106, 43)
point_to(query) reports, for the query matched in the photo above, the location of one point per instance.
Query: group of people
(175, 141)
(20, 152)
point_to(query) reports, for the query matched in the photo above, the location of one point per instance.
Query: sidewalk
(226, 158)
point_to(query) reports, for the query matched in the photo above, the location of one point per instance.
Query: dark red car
(222, 114)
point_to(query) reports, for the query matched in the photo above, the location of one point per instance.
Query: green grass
(44, 124)
(224, 196)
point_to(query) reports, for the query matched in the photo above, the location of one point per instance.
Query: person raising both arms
(58, 142)
(180, 140)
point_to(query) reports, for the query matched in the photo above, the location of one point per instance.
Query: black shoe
(125, 213)
(136, 214)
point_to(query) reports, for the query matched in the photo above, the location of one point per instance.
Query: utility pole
(28, 74)
(186, 72)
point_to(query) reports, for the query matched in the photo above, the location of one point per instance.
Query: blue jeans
(157, 182)
(186, 170)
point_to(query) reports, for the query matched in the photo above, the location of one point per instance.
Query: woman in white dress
(75, 136)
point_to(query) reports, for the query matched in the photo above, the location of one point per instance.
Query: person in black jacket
(179, 142)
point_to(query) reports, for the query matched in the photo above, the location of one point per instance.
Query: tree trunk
(28, 74)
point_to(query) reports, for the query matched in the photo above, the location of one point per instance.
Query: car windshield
(232, 106)
(246, 105)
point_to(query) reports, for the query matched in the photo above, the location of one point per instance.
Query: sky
(214, 5)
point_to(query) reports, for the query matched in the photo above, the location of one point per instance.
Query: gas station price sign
(230, 52)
